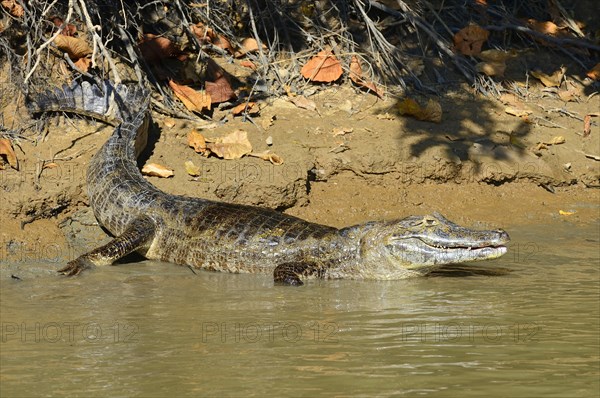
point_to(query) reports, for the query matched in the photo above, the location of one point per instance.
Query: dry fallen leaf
(494, 55)
(469, 40)
(267, 122)
(217, 84)
(169, 122)
(271, 157)
(248, 64)
(67, 30)
(203, 32)
(587, 125)
(232, 146)
(251, 108)
(195, 101)
(219, 90)
(356, 77)
(553, 80)
(74, 46)
(83, 64)
(154, 48)
(519, 112)
(341, 131)
(556, 140)
(14, 9)
(545, 27)
(224, 43)
(491, 68)
(303, 102)
(191, 168)
(594, 73)
(567, 95)
(7, 151)
(432, 112)
(197, 141)
(323, 67)
(248, 45)
(156, 170)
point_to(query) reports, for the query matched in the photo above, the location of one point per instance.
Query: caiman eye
(430, 222)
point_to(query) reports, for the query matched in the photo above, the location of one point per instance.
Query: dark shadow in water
(462, 270)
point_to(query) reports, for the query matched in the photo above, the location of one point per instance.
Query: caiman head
(417, 245)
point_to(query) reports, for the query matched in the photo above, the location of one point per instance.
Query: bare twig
(39, 50)
(97, 41)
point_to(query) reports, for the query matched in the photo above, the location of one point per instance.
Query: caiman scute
(236, 238)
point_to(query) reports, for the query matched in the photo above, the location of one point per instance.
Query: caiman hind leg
(139, 232)
(290, 273)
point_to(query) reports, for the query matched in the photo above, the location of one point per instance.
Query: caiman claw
(75, 267)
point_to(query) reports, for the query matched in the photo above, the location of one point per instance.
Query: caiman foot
(139, 232)
(289, 273)
(76, 266)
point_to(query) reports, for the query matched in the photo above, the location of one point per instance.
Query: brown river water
(525, 325)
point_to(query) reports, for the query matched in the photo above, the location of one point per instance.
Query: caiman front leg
(139, 232)
(290, 273)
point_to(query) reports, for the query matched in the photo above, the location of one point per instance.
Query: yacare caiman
(237, 238)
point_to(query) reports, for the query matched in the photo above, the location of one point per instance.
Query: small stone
(269, 140)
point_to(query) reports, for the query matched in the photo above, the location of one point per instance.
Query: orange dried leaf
(469, 40)
(355, 70)
(67, 30)
(250, 45)
(248, 64)
(83, 64)
(203, 32)
(250, 107)
(156, 170)
(594, 73)
(154, 48)
(220, 90)
(271, 157)
(324, 67)
(74, 46)
(356, 77)
(7, 151)
(13, 8)
(222, 42)
(232, 146)
(545, 27)
(195, 101)
(197, 141)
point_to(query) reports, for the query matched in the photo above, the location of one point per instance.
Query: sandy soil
(351, 160)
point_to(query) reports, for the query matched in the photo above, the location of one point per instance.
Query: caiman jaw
(417, 251)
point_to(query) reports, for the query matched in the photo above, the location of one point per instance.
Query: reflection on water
(523, 325)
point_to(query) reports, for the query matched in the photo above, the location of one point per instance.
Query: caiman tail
(237, 238)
